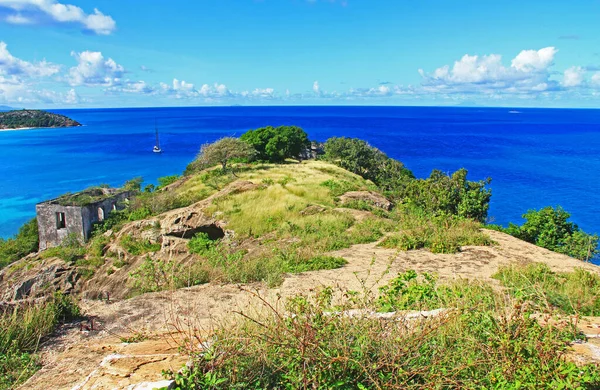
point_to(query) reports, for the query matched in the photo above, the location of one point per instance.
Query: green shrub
(21, 331)
(575, 292)
(474, 346)
(167, 180)
(442, 194)
(23, 243)
(551, 229)
(339, 187)
(138, 247)
(276, 144)
(357, 156)
(439, 234)
(70, 250)
(313, 264)
(200, 244)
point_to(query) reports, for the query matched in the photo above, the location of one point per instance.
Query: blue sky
(94, 53)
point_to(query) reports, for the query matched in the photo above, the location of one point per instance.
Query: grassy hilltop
(18, 119)
(340, 251)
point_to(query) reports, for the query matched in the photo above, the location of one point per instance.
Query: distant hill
(6, 108)
(18, 119)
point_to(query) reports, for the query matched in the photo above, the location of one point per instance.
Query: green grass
(482, 343)
(575, 292)
(439, 234)
(21, 331)
(137, 247)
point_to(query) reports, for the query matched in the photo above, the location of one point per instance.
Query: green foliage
(314, 264)
(166, 180)
(357, 156)
(134, 185)
(439, 234)
(33, 118)
(200, 244)
(70, 250)
(575, 292)
(339, 187)
(23, 243)
(275, 144)
(442, 194)
(483, 343)
(156, 275)
(409, 291)
(137, 247)
(22, 328)
(221, 152)
(549, 228)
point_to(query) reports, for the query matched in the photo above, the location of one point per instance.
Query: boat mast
(156, 129)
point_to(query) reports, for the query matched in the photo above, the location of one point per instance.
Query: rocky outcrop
(32, 278)
(371, 198)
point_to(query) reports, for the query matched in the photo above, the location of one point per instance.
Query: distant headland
(25, 119)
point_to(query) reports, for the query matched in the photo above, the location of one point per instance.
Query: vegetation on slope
(22, 328)
(550, 228)
(26, 241)
(34, 118)
(482, 340)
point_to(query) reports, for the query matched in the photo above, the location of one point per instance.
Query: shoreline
(38, 128)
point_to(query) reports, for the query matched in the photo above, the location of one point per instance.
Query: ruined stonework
(58, 218)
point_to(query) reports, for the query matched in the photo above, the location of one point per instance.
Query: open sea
(535, 157)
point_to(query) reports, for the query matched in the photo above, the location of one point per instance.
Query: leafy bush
(70, 250)
(23, 243)
(275, 144)
(156, 275)
(21, 330)
(442, 194)
(482, 344)
(221, 152)
(550, 229)
(314, 264)
(200, 244)
(167, 180)
(138, 247)
(439, 234)
(357, 156)
(575, 292)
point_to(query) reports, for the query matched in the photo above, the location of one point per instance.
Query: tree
(550, 228)
(222, 152)
(275, 144)
(357, 156)
(450, 195)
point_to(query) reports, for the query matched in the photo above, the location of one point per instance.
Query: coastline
(38, 128)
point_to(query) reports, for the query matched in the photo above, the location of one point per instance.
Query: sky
(134, 53)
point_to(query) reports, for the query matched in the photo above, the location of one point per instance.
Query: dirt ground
(98, 359)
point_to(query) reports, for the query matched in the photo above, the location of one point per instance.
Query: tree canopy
(275, 144)
(550, 228)
(221, 152)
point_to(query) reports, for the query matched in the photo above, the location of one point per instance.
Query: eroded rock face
(32, 278)
(371, 198)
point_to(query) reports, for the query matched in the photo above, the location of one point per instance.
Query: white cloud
(528, 72)
(531, 60)
(93, 70)
(72, 97)
(573, 77)
(41, 11)
(12, 66)
(316, 88)
(596, 79)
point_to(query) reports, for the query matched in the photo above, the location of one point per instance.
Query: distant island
(22, 119)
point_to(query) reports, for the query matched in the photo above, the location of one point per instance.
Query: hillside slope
(271, 233)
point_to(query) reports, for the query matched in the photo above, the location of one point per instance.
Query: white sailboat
(156, 148)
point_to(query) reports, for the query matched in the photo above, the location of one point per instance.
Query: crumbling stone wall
(79, 220)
